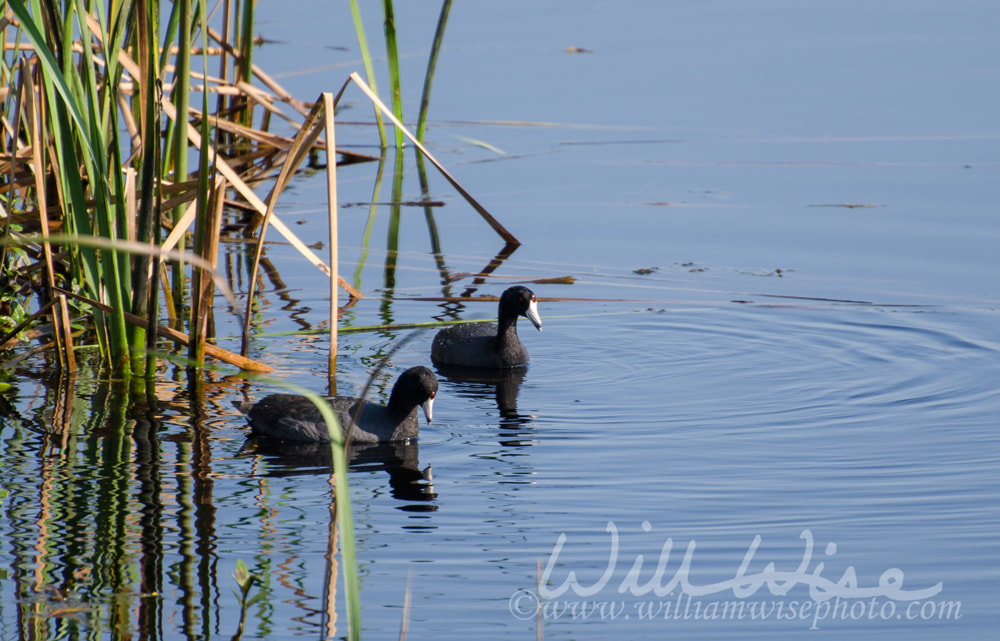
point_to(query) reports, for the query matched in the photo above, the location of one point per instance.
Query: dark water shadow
(503, 387)
(400, 460)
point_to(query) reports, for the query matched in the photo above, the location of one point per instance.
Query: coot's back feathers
(295, 418)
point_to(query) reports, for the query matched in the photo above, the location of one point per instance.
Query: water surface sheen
(869, 428)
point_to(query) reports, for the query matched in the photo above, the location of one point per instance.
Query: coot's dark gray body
(291, 417)
(489, 345)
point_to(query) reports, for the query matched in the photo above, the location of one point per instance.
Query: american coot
(291, 417)
(486, 344)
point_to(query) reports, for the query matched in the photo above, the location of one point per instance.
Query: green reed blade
(75, 134)
(369, 224)
(392, 59)
(108, 187)
(181, 100)
(245, 70)
(206, 229)
(366, 59)
(342, 498)
(425, 96)
(244, 63)
(143, 293)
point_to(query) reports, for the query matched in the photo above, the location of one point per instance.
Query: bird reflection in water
(400, 459)
(503, 385)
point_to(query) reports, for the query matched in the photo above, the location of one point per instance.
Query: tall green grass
(103, 113)
(392, 65)
(110, 152)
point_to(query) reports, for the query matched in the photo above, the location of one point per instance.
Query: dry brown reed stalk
(312, 128)
(292, 152)
(235, 181)
(490, 220)
(299, 106)
(62, 338)
(181, 338)
(329, 126)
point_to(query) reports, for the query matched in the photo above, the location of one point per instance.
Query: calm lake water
(785, 426)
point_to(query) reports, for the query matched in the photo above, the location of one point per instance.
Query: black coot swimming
(291, 417)
(485, 344)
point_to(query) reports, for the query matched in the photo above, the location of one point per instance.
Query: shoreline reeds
(106, 163)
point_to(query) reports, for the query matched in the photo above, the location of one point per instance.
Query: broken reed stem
(306, 136)
(490, 220)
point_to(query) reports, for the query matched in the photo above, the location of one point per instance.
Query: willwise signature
(742, 585)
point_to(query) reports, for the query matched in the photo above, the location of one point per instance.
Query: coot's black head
(415, 386)
(520, 301)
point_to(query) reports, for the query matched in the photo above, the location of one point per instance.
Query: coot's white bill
(532, 314)
(427, 408)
